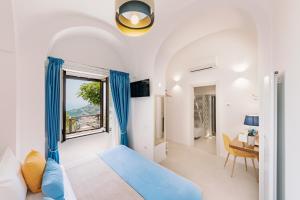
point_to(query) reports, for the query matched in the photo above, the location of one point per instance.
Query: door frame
(191, 112)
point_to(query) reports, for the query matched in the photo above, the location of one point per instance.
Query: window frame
(102, 109)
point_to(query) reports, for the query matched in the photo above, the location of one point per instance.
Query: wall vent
(203, 67)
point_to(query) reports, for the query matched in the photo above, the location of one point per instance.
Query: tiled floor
(206, 144)
(79, 149)
(207, 171)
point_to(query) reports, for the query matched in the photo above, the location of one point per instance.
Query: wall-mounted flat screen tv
(140, 88)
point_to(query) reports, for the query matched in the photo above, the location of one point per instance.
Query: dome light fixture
(134, 17)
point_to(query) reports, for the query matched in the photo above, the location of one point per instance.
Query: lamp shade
(251, 120)
(134, 17)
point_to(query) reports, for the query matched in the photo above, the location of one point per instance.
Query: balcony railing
(83, 123)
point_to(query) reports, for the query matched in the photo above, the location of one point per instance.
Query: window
(85, 106)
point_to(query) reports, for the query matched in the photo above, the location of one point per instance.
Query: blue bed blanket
(149, 179)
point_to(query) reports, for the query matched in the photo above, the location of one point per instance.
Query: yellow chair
(237, 153)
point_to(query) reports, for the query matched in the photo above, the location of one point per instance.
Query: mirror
(159, 119)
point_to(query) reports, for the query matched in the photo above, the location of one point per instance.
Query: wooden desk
(238, 145)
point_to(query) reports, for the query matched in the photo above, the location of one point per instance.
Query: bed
(123, 174)
(100, 180)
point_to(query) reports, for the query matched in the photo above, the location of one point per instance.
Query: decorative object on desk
(251, 120)
(243, 137)
(251, 137)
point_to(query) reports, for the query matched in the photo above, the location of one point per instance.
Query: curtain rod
(91, 66)
(73, 62)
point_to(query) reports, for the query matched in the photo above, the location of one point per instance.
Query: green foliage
(90, 92)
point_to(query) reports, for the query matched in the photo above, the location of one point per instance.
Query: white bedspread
(94, 180)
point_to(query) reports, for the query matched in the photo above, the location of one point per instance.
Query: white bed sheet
(69, 193)
(93, 179)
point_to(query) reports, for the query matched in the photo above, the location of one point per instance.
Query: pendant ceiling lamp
(134, 17)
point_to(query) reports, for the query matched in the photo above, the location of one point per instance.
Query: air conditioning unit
(206, 64)
(203, 67)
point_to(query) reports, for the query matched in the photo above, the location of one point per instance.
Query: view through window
(84, 106)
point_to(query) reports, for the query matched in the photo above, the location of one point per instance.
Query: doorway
(205, 118)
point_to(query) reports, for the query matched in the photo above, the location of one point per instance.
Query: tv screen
(140, 88)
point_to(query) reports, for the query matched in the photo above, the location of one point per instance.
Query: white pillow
(12, 184)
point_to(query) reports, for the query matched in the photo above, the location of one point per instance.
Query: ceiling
(177, 24)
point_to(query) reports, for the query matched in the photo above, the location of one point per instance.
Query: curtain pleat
(53, 107)
(120, 89)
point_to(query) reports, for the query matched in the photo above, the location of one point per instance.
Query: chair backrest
(227, 141)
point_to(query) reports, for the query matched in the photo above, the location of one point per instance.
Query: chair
(237, 153)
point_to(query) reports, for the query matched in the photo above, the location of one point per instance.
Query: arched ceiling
(45, 21)
(103, 10)
(177, 23)
(90, 32)
(88, 39)
(203, 22)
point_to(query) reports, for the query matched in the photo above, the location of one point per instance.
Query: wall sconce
(241, 83)
(176, 88)
(177, 78)
(240, 67)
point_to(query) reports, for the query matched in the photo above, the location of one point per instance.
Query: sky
(72, 88)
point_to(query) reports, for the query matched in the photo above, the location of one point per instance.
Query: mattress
(93, 179)
(69, 194)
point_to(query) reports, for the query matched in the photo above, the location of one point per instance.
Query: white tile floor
(78, 149)
(206, 144)
(207, 171)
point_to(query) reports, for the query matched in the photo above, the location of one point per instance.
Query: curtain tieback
(123, 132)
(53, 151)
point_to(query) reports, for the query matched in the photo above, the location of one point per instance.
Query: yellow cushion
(33, 170)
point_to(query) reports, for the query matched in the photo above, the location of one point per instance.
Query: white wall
(79, 48)
(84, 49)
(93, 40)
(141, 131)
(141, 125)
(8, 135)
(286, 51)
(235, 78)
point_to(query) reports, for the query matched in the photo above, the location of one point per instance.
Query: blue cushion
(53, 183)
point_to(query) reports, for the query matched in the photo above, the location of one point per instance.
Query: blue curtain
(53, 106)
(120, 90)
